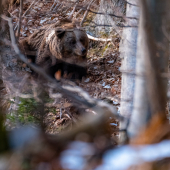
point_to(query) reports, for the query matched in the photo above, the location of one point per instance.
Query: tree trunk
(116, 7)
(3, 134)
(128, 48)
(152, 60)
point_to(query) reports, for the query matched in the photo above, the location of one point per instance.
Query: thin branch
(78, 13)
(71, 14)
(25, 13)
(118, 25)
(20, 17)
(55, 2)
(131, 3)
(98, 39)
(57, 6)
(113, 15)
(85, 15)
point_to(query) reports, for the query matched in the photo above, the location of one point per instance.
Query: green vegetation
(25, 113)
(100, 49)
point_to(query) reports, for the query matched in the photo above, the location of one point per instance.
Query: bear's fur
(58, 48)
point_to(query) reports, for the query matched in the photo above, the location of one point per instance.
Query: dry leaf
(58, 75)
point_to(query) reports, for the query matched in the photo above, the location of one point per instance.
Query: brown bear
(55, 47)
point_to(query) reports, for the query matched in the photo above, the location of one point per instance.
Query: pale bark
(116, 7)
(141, 111)
(128, 48)
(152, 60)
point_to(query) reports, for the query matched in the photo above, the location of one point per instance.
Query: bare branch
(55, 3)
(20, 17)
(131, 3)
(78, 13)
(71, 14)
(85, 15)
(113, 15)
(25, 13)
(118, 25)
(98, 39)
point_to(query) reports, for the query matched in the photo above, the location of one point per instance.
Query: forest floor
(104, 77)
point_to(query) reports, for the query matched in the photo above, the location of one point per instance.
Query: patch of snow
(111, 62)
(115, 102)
(43, 20)
(87, 80)
(113, 124)
(107, 87)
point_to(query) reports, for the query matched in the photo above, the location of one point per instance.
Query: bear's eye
(73, 42)
(82, 41)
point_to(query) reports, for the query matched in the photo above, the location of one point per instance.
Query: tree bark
(152, 60)
(3, 134)
(116, 7)
(128, 49)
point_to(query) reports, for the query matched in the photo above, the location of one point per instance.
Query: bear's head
(73, 44)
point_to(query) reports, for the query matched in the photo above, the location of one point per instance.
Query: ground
(102, 82)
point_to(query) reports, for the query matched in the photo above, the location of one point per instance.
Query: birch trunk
(116, 7)
(152, 60)
(128, 49)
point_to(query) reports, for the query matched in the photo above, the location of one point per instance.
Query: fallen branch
(98, 39)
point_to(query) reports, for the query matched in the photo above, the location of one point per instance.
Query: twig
(118, 25)
(61, 113)
(85, 15)
(57, 6)
(16, 26)
(55, 2)
(71, 14)
(20, 17)
(36, 93)
(25, 13)
(131, 3)
(78, 13)
(113, 15)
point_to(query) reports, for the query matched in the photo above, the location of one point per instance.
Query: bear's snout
(79, 49)
(83, 50)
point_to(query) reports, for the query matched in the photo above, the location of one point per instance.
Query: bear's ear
(59, 32)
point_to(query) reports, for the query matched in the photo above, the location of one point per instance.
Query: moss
(104, 49)
(99, 51)
(27, 105)
(104, 34)
(25, 112)
(52, 110)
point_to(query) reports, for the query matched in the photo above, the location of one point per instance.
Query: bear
(58, 47)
